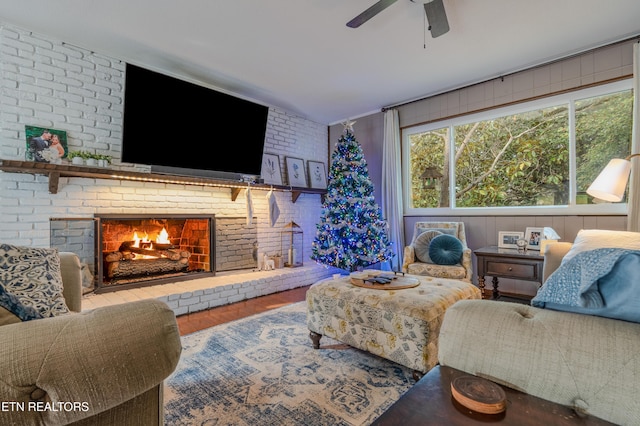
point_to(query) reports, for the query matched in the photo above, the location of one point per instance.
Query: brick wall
(49, 83)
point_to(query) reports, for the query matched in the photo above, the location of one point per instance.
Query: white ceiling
(298, 55)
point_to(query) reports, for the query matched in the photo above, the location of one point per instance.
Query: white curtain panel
(392, 185)
(633, 217)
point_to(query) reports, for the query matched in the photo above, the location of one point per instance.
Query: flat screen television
(182, 128)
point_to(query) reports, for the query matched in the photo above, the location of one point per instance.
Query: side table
(508, 263)
(429, 402)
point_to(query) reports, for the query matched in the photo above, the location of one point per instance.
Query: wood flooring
(190, 323)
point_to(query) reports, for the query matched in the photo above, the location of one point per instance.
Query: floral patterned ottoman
(399, 325)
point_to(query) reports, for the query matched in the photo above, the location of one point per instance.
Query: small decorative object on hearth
(478, 394)
(292, 241)
(267, 263)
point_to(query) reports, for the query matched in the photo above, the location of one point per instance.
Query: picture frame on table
(296, 172)
(317, 174)
(508, 239)
(270, 171)
(534, 237)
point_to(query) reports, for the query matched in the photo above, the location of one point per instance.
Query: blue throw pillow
(445, 250)
(595, 282)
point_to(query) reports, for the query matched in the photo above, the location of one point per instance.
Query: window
(536, 158)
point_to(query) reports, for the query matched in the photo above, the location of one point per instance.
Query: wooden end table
(508, 263)
(429, 402)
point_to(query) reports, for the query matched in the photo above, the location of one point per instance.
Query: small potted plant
(76, 157)
(90, 159)
(103, 160)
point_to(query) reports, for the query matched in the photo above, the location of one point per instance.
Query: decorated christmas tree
(352, 233)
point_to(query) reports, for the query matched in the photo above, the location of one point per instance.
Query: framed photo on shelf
(317, 175)
(270, 171)
(45, 145)
(534, 236)
(296, 173)
(508, 239)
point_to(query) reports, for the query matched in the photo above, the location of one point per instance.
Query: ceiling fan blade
(437, 17)
(370, 13)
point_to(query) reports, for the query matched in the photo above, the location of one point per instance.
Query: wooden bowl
(478, 394)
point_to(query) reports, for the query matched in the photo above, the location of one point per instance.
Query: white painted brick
(49, 83)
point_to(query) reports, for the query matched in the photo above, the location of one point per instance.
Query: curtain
(392, 185)
(633, 216)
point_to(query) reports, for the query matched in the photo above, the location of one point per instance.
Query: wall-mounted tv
(179, 127)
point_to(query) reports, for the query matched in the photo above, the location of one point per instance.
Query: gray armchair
(110, 362)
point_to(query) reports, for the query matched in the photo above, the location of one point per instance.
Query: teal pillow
(445, 250)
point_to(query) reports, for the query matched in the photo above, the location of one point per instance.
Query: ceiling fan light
(437, 17)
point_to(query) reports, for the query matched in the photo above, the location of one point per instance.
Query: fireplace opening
(137, 250)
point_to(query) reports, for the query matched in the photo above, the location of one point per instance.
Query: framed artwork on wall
(45, 145)
(508, 239)
(295, 171)
(533, 236)
(317, 175)
(271, 169)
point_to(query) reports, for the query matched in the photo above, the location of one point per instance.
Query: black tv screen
(182, 128)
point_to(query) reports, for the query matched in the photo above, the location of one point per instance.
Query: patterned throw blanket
(600, 282)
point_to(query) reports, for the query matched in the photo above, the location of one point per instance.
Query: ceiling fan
(436, 15)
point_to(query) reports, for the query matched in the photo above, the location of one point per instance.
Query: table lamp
(612, 181)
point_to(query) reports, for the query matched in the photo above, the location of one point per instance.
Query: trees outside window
(538, 155)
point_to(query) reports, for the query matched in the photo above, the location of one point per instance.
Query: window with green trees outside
(544, 153)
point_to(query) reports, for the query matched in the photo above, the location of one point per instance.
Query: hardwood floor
(189, 323)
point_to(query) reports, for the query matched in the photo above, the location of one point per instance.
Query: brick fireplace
(137, 250)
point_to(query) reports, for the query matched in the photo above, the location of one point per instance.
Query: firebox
(137, 250)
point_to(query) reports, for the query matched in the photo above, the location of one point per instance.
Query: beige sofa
(100, 367)
(587, 362)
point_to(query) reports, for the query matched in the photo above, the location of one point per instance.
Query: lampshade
(612, 181)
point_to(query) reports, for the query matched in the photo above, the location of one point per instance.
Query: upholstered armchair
(416, 255)
(100, 367)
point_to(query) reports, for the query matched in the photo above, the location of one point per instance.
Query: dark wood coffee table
(429, 402)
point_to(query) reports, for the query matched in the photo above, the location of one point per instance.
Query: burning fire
(145, 242)
(163, 237)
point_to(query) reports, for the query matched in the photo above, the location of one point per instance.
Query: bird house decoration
(292, 243)
(430, 178)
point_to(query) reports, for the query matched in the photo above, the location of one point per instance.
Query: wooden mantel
(55, 171)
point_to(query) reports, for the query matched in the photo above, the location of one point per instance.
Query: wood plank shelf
(56, 171)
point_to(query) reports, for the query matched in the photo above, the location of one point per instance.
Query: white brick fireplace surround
(48, 83)
(204, 293)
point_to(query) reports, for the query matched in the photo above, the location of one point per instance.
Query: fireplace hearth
(138, 250)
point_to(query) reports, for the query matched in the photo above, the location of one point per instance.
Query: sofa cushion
(591, 239)
(30, 284)
(596, 282)
(445, 250)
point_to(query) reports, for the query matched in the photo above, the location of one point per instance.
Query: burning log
(145, 267)
(169, 253)
(124, 262)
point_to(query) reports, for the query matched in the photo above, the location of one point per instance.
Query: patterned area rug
(262, 370)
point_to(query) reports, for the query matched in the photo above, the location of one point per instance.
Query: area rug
(262, 370)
